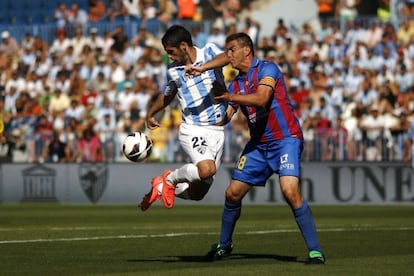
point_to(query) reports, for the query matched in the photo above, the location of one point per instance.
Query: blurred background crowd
(77, 76)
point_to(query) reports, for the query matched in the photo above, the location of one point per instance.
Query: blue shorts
(258, 162)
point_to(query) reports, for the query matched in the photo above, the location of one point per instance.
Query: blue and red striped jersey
(277, 120)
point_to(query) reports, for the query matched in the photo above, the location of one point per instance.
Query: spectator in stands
(62, 82)
(143, 86)
(61, 15)
(231, 28)
(366, 94)
(326, 9)
(200, 38)
(118, 74)
(9, 46)
(78, 41)
(157, 70)
(86, 58)
(326, 109)
(324, 31)
(94, 40)
(337, 49)
(59, 101)
(61, 42)
(40, 47)
(339, 137)
(227, 10)
(217, 36)
(100, 67)
(408, 8)
(119, 39)
(96, 10)
(77, 17)
(186, 9)
(27, 41)
(34, 85)
(43, 132)
(373, 125)
(386, 42)
(106, 130)
(399, 132)
(108, 41)
(252, 28)
(56, 151)
(89, 147)
(354, 143)
(12, 147)
(404, 80)
(131, 8)
(132, 53)
(147, 39)
(409, 147)
(149, 11)
(126, 97)
(68, 59)
(6, 148)
(405, 32)
(74, 111)
(167, 11)
(373, 35)
(347, 9)
(15, 82)
(28, 57)
(353, 80)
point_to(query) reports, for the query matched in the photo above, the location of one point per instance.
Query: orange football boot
(168, 191)
(153, 195)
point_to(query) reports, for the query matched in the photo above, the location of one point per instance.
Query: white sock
(187, 173)
(180, 189)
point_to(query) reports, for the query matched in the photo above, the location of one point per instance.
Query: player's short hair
(243, 39)
(175, 35)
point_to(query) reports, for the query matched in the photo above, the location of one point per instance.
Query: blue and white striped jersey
(197, 103)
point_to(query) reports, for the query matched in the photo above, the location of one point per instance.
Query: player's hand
(152, 123)
(193, 70)
(226, 97)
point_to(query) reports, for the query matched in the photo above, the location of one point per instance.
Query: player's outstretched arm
(219, 61)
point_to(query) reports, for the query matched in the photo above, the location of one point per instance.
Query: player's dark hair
(175, 35)
(243, 39)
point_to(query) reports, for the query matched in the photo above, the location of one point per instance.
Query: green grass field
(38, 239)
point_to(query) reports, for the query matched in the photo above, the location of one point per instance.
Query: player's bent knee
(232, 197)
(206, 169)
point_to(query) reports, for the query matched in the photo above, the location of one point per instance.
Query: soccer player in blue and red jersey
(275, 145)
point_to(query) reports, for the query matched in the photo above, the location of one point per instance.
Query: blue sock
(304, 219)
(231, 214)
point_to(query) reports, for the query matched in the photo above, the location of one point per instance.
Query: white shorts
(202, 142)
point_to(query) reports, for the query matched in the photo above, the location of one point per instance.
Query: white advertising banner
(127, 183)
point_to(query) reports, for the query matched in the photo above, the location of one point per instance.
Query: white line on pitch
(169, 235)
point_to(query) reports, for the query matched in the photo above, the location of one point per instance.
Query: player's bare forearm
(219, 61)
(161, 102)
(260, 98)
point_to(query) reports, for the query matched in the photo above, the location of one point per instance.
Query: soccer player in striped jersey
(275, 145)
(201, 133)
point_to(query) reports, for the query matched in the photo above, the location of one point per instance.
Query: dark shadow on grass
(201, 259)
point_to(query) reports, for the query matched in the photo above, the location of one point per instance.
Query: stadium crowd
(76, 98)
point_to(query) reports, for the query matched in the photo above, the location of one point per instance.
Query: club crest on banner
(93, 179)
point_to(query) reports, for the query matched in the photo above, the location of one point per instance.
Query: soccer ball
(137, 146)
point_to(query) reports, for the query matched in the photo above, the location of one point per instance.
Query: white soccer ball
(137, 146)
